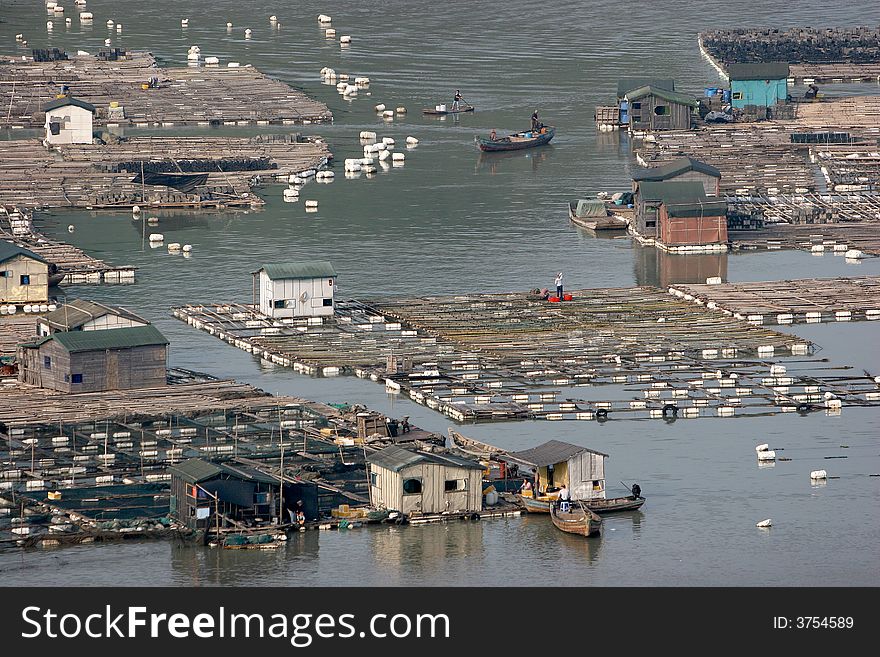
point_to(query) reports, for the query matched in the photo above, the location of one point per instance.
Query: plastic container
(566, 297)
(553, 299)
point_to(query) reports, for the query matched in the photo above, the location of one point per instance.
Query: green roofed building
(654, 108)
(92, 361)
(682, 169)
(296, 289)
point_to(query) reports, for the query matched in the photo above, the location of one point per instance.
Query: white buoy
(58, 10)
(312, 204)
(767, 455)
(153, 221)
(273, 19)
(854, 254)
(71, 228)
(765, 523)
(111, 23)
(228, 26)
(324, 18)
(68, 21)
(86, 16)
(136, 209)
(763, 447)
(290, 194)
(193, 56)
(380, 107)
(362, 81)
(174, 246)
(212, 61)
(187, 248)
(157, 237)
(398, 157)
(247, 33)
(400, 110)
(388, 141)
(345, 40)
(367, 135)
(818, 475)
(118, 27)
(49, 25)
(106, 42)
(184, 22)
(27, 308)
(388, 114)
(384, 155)
(233, 65)
(19, 37)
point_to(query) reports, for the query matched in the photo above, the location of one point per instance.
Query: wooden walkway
(809, 300)
(835, 239)
(185, 96)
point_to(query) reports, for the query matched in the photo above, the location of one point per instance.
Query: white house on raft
(69, 121)
(296, 289)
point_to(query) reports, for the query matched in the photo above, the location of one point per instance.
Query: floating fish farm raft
(206, 95)
(109, 175)
(94, 467)
(504, 356)
(73, 265)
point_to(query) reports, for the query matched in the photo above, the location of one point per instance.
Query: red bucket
(566, 297)
(553, 299)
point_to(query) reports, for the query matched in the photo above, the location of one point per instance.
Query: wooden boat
(578, 520)
(593, 215)
(516, 141)
(435, 112)
(598, 505)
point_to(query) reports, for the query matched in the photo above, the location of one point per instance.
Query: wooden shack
(205, 494)
(628, 84)
(81, 315)
(682, 169)
(69, 121)
(296, 289)
(678, 214)
(91, 361)
(581, 469)
(413, 481)
(24, 276)
(652, 108)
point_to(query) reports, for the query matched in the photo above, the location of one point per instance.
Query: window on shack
(76, 378)
(25, 279)
(5, 274)
(328, 302)
(374, 479)
(279, 303)
(412, 486)
(662, 110)
(47, 362)
(637, 106)
(737, 95)
(453, 485)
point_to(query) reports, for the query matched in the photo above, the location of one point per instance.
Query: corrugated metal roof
(673, 191)
(625, 85)
(396, 458)
(118, 338)
(9, 250)
(671, 96)
(304, 269)
(78, 312)
(703, 209)
(63, 102)
(551, 452)
(674, 168)
(758, 71)
(195, 470)
(591, 207)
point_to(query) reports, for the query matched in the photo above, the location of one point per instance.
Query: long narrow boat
(435, 112)
(578, 520)
(585, 215)
(597, 505)
(516, 141)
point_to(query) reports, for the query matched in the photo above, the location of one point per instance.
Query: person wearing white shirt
(564, 499)
(559, 285)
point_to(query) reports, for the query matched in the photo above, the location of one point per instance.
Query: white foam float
(366, 134)
(212, 61)
(157, 237)
(400, 110)
(765, 523)
(184, 22)
(398, 157)
(767, 455)
(107, 42)
(380, 107)
(187, 248)
(247, 33)
(136, 209)
(324, 18)
(388, 114)
(233, 65)
(111, 22)
(228, 26)
(174, 247)
(763, 447)
(330, 33)
(312, 204)
(412, 141)
(345, 39)
(854, 254)
(362, 81)
(817, 475)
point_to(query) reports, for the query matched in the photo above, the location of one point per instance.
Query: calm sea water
(452, 221)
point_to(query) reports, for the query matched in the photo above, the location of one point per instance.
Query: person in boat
(456, 100)
(493, 135)
(404, 426)
(636, 491)
(535, 122)
(564, 499)
(526, 486)
(559, 285)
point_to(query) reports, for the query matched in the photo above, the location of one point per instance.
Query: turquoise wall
(758, 92)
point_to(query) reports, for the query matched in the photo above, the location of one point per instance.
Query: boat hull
(614, 504)
(580, 520)
(435, 112)
(609, 222)
(508, 144)
(534, 506)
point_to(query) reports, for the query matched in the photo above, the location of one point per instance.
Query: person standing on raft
(456, 100)
(535, 123)
(559, 285)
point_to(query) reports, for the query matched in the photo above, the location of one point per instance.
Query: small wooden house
(91, 361)
(239, 493)
(679, 214)
(682, 169)
(69, 121)
(582, 470)
(80, 315)
(628, 84)
(761, 84)
(413, 481)
(653, 108)
(24, 276)
(296, 289)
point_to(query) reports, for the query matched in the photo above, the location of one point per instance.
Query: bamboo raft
(15, 329)
(835, 73)
(184, 96)
(74, 266)
(835, 239)
(503, 357)
(810, 300)
(99, 176)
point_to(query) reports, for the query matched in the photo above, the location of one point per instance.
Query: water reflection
(656, 267)
(492, 163)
